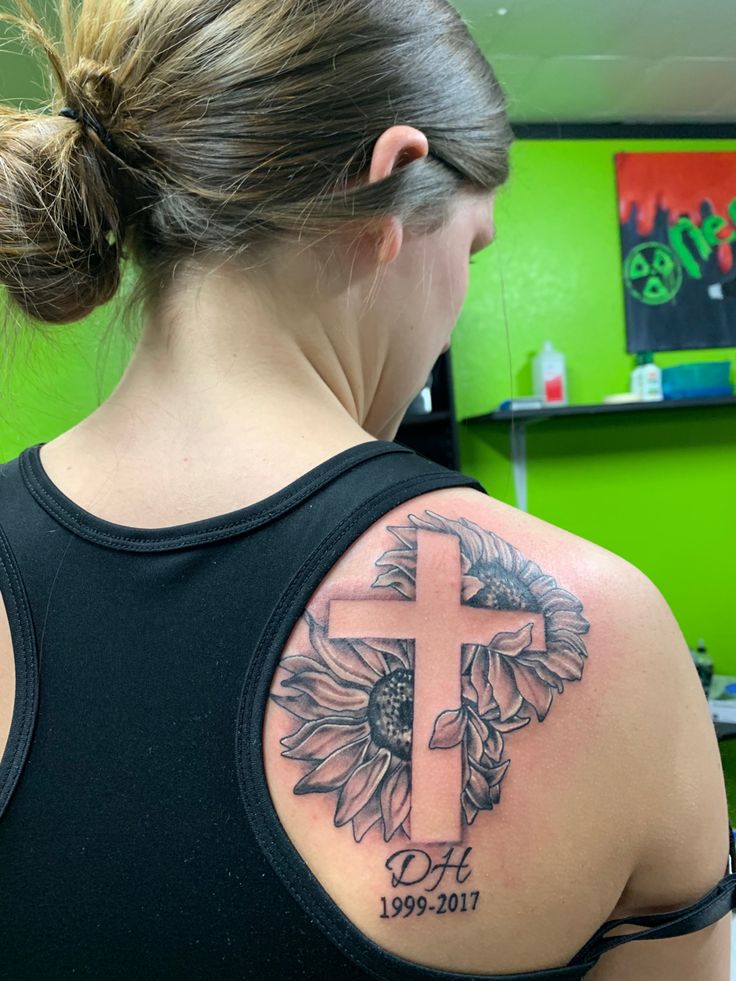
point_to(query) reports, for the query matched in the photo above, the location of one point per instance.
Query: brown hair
(235, 124)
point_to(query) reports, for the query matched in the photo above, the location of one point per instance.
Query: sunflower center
(507, 592)
(391, 712)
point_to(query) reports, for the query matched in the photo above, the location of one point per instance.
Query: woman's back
(531, 833)
(294, 702)
(613, 806)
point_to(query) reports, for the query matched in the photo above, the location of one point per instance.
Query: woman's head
(243, 131)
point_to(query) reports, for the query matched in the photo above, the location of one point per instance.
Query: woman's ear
(390, 239)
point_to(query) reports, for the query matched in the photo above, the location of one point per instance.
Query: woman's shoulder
(470, 681)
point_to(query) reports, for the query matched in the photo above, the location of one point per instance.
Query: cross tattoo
(440, 624)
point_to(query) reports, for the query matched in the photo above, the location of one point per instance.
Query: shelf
(425, 418)
(602, 408)
(525, 417)
(434, 435)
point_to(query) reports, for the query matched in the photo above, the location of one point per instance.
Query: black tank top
(137, 837)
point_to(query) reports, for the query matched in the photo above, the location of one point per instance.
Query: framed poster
(677, 213)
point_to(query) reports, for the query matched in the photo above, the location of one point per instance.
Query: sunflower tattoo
(354, 699)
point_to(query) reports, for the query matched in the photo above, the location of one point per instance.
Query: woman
(291, 701)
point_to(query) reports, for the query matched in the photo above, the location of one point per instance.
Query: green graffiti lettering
(712, 226)
(732, 211)
(677, 241)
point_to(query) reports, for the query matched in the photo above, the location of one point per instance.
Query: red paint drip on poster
(678, 183)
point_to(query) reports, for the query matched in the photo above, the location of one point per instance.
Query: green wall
(654, 488)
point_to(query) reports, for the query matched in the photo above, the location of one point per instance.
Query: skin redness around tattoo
(405, 702)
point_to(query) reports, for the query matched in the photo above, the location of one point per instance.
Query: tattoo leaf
(449, 728)
(511, 644)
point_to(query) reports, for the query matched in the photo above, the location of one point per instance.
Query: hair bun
(60, 222)
(265, 122)
(93, 87)
(89, 120)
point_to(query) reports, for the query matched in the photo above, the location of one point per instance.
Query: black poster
(677, 215)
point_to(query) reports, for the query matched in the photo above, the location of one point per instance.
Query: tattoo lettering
(453, 902)
(399, 697)
(414, 867)
(411, 866)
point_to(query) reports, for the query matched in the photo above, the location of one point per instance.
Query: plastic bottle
(636, 376)
(550, 375)
(422, 404)
(651, 379)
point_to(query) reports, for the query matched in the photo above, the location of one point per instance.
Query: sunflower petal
(476, 733)
(532, 689)
(512, 643)
(484, 537)
(467, 653)
(449, 728)
(329, 692)
(359, 788)
(438, 524)
(508, 556)
(469, 693)
(300, 662)
(302, 706)
(566, 664)
(567, 620)
(345, 663)
(406, 534)
(558, 599)
(504, 687)
(492, 774)
(469, 810)
(479, 678)
(340, 657)
(470, 586)
(366, 818)
(465, 766)
(395, 800)
(539, 667)
(317, 740)
(475, 540)
(371, 655)
(477, 790)
(510, 725)
(401, 558)
(541, 586)
(334, 771)
(569, 638)
(498, 773)
(391, 651)
(398, 580)
(294, 738)
(493, 745)
(530, 571)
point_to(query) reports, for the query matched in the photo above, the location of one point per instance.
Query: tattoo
(411, 866)
(452, 902)
(400, 697)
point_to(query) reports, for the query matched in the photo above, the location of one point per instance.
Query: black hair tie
(88, 120)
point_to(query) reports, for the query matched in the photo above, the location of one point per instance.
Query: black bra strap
(714, 905)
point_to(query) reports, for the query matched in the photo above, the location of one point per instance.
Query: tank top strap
(676, 923)
(23, 640)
